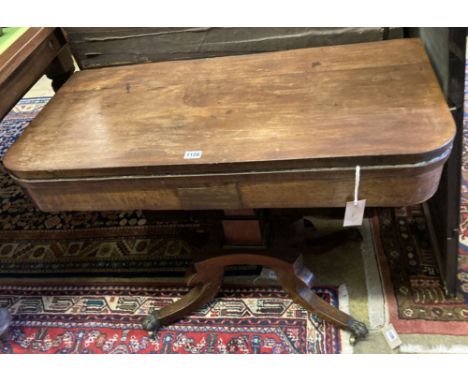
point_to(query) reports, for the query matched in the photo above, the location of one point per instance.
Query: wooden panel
(238, 213)
(396, 190)
(239, 232)
(366, 104)
(224, 196)
(97, 47)
(392, 187)
(23, 63)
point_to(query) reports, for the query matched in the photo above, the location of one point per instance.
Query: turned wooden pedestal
(246, 243)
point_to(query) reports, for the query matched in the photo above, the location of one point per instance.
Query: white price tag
(354, 213)
(196, 154)
(391, 336)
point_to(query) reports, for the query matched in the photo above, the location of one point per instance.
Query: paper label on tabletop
(195, 154)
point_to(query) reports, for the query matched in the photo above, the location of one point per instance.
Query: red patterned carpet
(87, 319)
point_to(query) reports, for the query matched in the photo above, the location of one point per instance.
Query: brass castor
(358, 331)
(151, 323)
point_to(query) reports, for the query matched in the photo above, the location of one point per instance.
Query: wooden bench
(273, 130)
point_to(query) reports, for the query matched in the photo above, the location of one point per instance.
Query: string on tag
(356, 184)
(354, 211)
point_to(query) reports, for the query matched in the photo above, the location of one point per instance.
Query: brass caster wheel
(358, 331)
(151, 323)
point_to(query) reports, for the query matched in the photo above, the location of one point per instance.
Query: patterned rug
(414, 291)
(106, 319)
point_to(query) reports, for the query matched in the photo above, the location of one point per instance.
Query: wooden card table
(274, 130)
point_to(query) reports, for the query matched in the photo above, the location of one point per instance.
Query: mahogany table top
(369, 104)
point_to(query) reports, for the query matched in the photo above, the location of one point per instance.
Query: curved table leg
(290, 278)
(200, 294)
(293, 276)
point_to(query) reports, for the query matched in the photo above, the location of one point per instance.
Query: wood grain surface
(278, 189)
(367, 104)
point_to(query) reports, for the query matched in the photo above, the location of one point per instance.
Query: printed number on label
(193, 154)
